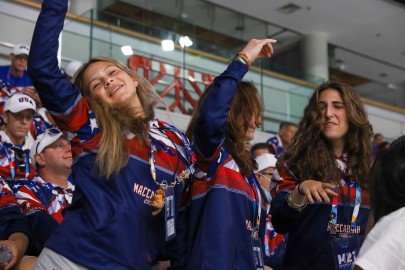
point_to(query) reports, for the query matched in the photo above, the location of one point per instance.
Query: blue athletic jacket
(223, 203)
(309, 238)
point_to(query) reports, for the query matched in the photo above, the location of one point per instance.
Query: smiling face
(245, 113)
(250, 131)
(335, 121)
(58, 155)
(111, 85)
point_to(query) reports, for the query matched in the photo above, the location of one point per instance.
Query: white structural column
(80, 7)
(315, 55)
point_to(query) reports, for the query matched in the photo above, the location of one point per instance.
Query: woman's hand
(314, 191)
(258, 48)
(30, 91)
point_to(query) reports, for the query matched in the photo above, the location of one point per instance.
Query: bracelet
(240, 59)
(245, 58)
(299, 191)
(293, 205)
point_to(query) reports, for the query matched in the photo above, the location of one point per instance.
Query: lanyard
(12, 161)
(252, 182)
(356, 209)
(257, 209)
(152, 148)
(164, 183)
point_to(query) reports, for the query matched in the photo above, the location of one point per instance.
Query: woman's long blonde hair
(115, 123)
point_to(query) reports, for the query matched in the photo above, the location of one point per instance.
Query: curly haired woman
(322, 199)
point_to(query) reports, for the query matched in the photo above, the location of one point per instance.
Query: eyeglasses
(51, 132)
(268, 174)
(21, 57)
(21, 116)
(59, 145)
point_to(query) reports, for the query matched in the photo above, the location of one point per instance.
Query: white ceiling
(373, 28)
(369, 34)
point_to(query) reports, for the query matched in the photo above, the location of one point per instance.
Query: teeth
(115, 89)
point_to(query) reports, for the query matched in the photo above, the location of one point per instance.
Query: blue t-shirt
(11, 81)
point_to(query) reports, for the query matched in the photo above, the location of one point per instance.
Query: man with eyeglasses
(43, 198)
(15, 139)
(274, 244)
(15, 75)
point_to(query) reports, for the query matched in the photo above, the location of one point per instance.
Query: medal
(183, 175)
(158, 200)
(333, 227)
(255, 234)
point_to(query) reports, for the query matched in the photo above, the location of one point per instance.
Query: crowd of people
(90, 179)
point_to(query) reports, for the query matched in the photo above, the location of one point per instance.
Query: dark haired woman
(228, 208)
(322, 199)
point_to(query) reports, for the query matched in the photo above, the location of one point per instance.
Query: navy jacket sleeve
(42, 226)
(210, 128)
(55, 90)
(12, 220)
(283, 216)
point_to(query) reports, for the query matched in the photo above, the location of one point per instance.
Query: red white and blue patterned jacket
(224, 203)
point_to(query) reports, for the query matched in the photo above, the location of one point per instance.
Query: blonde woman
(127, 166)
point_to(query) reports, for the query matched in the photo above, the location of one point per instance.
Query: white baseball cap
(265, 161)
(72, 67)
(42, 141)
(21, 49)
(19, 102)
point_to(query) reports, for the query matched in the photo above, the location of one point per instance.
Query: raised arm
(210, 127)
(58, 95)
(209, 131)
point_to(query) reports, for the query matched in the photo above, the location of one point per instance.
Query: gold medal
(158, 201)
